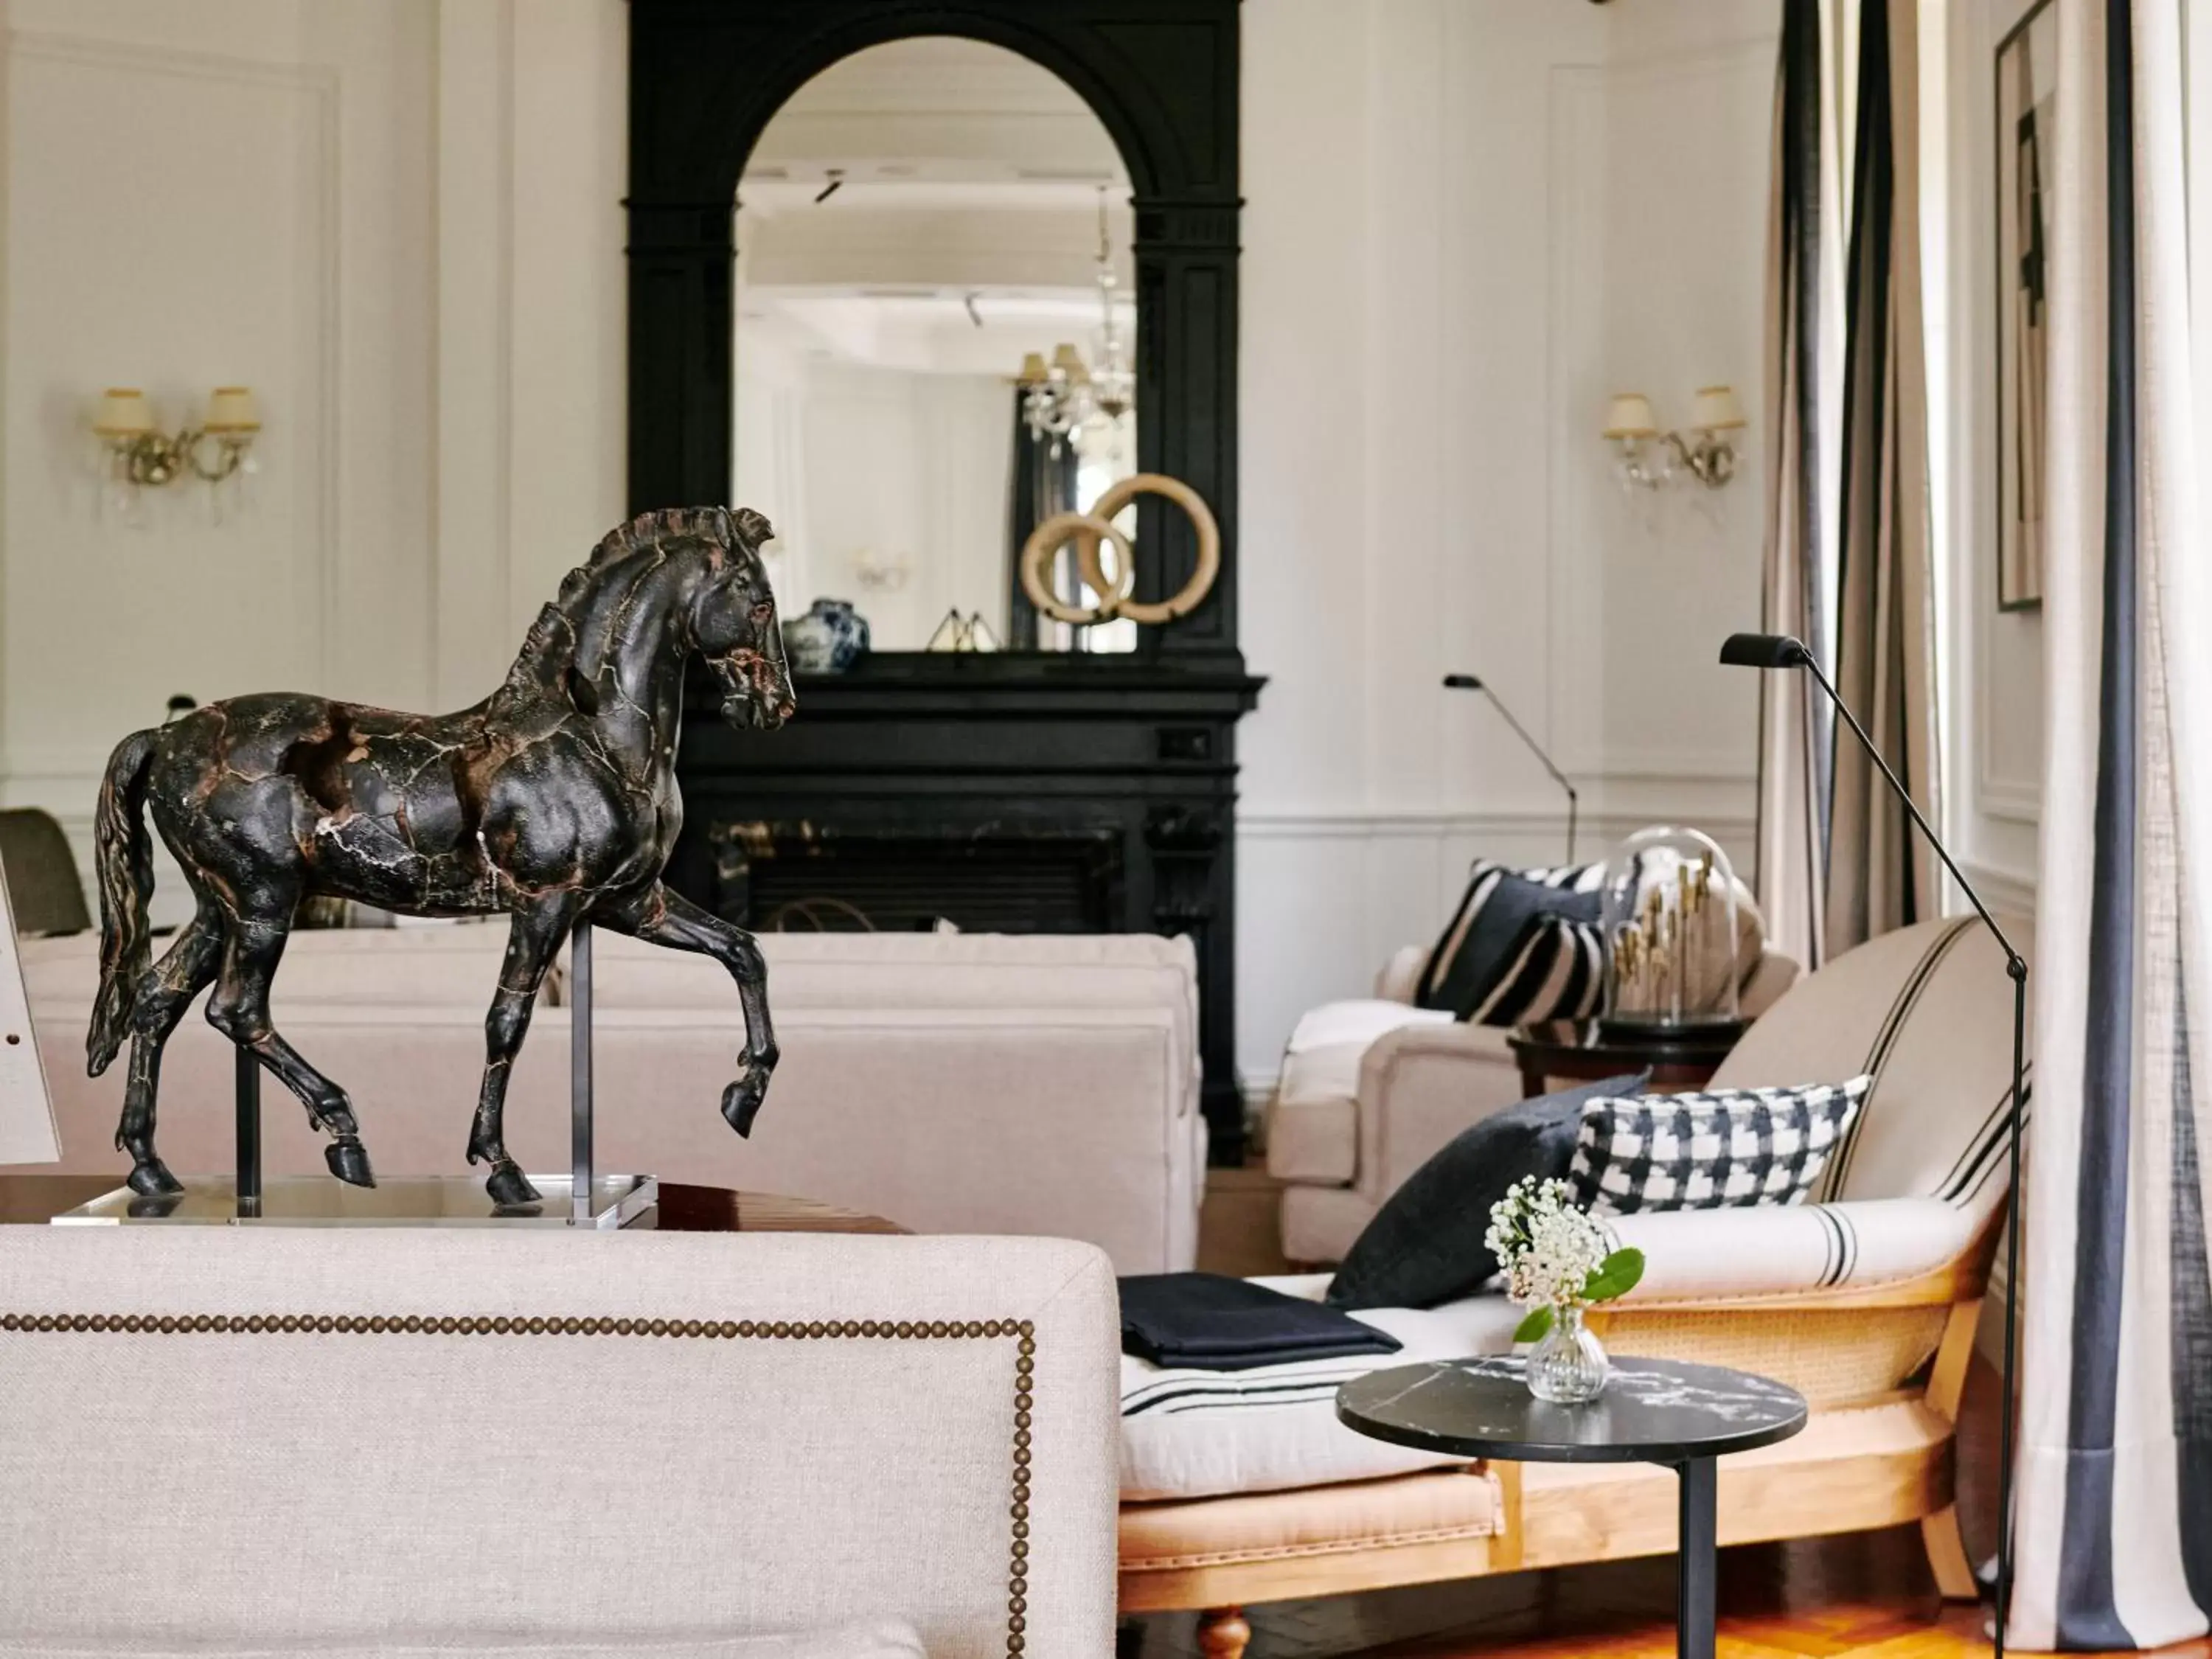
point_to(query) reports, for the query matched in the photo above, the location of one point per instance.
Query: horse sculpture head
(734, 626)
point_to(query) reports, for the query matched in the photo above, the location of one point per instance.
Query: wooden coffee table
(1585, 1051)
(37, 1198)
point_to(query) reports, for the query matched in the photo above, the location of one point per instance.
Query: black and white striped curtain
(1795, 728)
(2113, 1525)
(1848, 556)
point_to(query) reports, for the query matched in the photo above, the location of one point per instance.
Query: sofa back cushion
(409, 967)
(1927, 1011)
(909, 970)
(302, 1440)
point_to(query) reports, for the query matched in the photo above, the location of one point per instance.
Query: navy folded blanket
(1209, 1322)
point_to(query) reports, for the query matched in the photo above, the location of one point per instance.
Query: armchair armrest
(1418, 1086)
(1870, 1252)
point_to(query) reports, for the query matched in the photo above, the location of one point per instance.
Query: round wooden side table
(1587, 1051)
(1682, 1417)
(37, 1198)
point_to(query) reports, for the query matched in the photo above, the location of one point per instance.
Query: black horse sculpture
(554, 801)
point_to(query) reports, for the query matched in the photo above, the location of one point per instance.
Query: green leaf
(1616, 1276)
(1532, 1328)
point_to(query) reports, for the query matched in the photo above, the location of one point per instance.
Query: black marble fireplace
(1028, 794)
(1030, 791)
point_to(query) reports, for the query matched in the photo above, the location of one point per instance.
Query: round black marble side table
(1653, 1411)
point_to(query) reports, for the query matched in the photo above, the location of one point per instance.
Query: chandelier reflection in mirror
(1670, 917)
(1067, 399)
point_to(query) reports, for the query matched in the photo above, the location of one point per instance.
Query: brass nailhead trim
(1017, 1584)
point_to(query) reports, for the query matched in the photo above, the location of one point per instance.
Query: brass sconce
(141, 455)
(1649, 456)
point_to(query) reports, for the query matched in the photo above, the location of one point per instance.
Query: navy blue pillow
(1425, 1244)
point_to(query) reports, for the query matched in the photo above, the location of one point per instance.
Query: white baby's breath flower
(1546, 1247)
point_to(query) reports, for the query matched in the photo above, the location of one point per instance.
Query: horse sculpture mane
(554, 801)
(548, 647)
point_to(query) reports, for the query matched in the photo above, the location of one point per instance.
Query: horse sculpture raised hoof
(553, 802)
(349, 1162)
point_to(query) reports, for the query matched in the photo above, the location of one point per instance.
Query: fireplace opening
(993, 879)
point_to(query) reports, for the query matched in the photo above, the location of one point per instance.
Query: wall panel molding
(312, 427)
(473, 578)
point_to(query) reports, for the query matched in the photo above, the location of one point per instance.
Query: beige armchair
(1370, 1089)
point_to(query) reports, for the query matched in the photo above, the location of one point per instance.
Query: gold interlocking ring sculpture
(1090, 531)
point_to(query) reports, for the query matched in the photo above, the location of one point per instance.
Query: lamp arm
(2014, 964)
(1536, 749)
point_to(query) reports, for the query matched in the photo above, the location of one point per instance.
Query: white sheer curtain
(2113, 1525)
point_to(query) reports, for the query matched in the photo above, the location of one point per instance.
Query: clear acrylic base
(616, 1200)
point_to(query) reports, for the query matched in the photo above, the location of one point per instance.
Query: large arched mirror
(945, 120)
(935, 344)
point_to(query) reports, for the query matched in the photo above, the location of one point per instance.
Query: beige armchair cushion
(1927, 1011)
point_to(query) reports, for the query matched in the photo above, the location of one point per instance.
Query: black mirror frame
(706, 77)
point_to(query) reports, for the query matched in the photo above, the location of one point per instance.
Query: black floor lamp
(1780, 651)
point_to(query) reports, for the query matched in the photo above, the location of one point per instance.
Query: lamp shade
(1629, 416)
(1069, 362)
(1716, 409)
(231, 409)
(1034, 373)
(124, 413)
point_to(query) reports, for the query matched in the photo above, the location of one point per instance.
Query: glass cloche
(1670, 913)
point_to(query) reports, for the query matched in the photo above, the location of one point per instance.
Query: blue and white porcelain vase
(828, 640)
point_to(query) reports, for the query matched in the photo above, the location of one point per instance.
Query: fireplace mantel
(1100, 794)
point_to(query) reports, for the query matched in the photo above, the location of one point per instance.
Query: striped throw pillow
(1524, 945)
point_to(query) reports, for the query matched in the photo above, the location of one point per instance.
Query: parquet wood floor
(1867, 1595)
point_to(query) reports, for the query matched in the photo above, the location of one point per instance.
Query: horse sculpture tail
(123, 857)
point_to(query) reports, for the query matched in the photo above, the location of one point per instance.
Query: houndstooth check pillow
(1708, 1151)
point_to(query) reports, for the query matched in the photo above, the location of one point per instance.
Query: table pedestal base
(1697, 1558)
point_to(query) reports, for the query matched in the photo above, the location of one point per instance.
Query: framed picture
(2027, 79)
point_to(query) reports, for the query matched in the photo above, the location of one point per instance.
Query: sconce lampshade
(1629, 416)
(231, 409)
(124, 413)
(1067, 359)
(1034, 373)
(1716, 409)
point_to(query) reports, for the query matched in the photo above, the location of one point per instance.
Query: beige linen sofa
(390, 1441)
(1371, 1088)
(1866, 1302)
(955, 1083)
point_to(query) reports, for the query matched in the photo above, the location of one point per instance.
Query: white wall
(398, 219)
(1466, 224)
(1994, 763)
(194, 198)
(911, 469)
(1468, 221)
